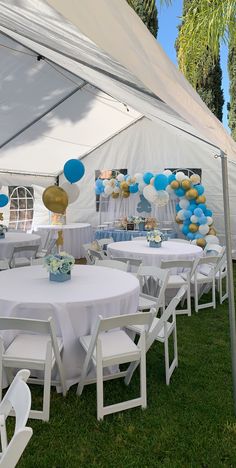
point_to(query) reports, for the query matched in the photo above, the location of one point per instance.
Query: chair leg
(196, 296)
(175, 345)
(189, 300)
(143, 385)
(214, 293)
(100, 397)
(47, 384)
(167, 361)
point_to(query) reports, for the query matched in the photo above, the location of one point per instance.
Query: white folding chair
(200, 279)
(17, 399)
(48, 248)
(95, 255)
(132, 263)
(106, 348)
(153, 281)
(214, 249)
(221, 274)
(27, 251)
(105, 242)
(161, 329)
(112, 264)
(183, 278)
(37, 348)
(4, 264)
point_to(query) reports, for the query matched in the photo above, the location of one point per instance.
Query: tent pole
(224, 168)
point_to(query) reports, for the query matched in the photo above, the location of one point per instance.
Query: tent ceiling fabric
(44, 30)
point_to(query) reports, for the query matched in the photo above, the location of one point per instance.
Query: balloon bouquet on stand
(56, 199)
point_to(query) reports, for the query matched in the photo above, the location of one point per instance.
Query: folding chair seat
(132, 263)
(154, 281)
(36, 347)
(200, 279)
(18, 399)
(27, 252)
(161, 329)
(112, 264)
(176, 280)
(109, 346)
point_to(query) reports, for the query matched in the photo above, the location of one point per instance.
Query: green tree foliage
(202, 69)
(147, 11)
(232, 77)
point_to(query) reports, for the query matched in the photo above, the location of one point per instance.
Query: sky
(169, 18)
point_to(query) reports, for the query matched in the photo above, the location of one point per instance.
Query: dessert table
(120, 235)
(74, 304)
(16, 239)
(153, 256)
(74, 234)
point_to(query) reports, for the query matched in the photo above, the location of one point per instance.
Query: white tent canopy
(63, 95)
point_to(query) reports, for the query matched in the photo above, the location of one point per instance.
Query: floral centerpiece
(59, 266)
(151, 223)
(155, 238)
(140, 222)
(3, 230)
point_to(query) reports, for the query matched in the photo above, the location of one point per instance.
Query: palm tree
(147, 11)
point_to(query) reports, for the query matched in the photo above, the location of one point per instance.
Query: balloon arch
(192, 215)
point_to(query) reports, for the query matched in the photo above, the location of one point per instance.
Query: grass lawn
(189, 424)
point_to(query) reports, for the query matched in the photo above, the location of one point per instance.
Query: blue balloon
(198, 212)
(198, 236)
(185, 229)
(133, 188)
(73, 170)
(171, 178)
(187, 222)
(187, 214)
(99, 183)
(208, 213)
(160, 182)
(203, 207)
(178, 208)
(190, 236)
(180, 192)
(192, 207)
(203, 220)
(3, 200)
(200, 189)
(147, 177)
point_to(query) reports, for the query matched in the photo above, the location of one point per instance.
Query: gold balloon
(193, 227)
(175, 184)
(195, 179)
(115, 195)
(55, 199)
(201, 199)
(212, 232)
(178, 221)
(191, 194)
(186, 184)
(125, 194)
(124, 186)
(201, 242)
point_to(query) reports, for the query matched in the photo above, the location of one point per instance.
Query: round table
(74, 304)
(74, 234)
(16, 239)
(153, 256)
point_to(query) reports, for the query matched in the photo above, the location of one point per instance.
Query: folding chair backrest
(112, 264)
(159, 276)
(183, 264)
(170, 308)
(214, 249)
(24, 324)
(105, 241)
(95, 254)
(17, 397)
(27, 250)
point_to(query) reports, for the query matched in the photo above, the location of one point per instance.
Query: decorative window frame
(21, 205)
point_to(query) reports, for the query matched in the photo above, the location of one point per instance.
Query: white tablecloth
(154, 256)
(75, 235)
(16, 239)
(74, 304)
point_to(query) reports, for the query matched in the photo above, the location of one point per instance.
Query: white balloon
(194, 241)
(105, 182)
(180, 176)
(72, 191)
(203, 229)
(108, 190)
(120, 177)
(194, 219)
(162, 198)
(209, 220)
(167, 172)
(149, 193)
(184, 204)
(210, 239)
(181, 215)
(141, 186)
(116, 190)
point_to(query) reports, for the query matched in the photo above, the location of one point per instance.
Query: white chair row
(27, 255)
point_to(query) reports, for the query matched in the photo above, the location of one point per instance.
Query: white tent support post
(224, 168)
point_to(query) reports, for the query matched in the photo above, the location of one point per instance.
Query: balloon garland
(192, 215)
